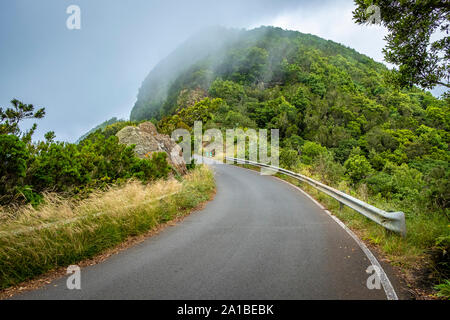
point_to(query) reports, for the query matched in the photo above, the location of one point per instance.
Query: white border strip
(387, 285)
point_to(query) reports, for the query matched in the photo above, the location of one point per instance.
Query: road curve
(260, 238)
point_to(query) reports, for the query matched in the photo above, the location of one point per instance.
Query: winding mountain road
(260, 238)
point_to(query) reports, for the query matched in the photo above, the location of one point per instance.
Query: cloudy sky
(84, 77)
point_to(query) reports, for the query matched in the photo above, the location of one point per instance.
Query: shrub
(13, 165)
(311, 151)
(288, 158)
(26, 171)
(358, 168)
(380, 183)
(444, 289)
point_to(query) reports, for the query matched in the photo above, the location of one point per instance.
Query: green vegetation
(413, 41)
(101, 126)
(65, 231)
(339, 120)
(444, 289)
(28, 170)
(85, 197)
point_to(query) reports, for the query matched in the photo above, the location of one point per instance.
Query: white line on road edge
(387, 285)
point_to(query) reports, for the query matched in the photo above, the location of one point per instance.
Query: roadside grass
(62, 232)
(427, 233)
(444, 289)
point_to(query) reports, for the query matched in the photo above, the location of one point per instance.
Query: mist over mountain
(333, 107)
(254, 57)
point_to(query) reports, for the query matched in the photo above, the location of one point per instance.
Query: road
(260, 238)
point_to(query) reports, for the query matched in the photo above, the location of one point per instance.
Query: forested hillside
(339, 121)
(326, 99)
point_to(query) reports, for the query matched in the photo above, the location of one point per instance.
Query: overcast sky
(84, 77)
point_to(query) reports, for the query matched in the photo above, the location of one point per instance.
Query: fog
(84, 77)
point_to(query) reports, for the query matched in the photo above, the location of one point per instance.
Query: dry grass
(63, 231)
(115, 201)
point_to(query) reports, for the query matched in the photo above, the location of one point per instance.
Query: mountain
(153, 92)
(340, 122)
(331, 104)
(99, 127)
(250, 57)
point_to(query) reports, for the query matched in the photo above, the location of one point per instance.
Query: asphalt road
(260, 238)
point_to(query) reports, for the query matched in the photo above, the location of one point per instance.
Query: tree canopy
(421, 59)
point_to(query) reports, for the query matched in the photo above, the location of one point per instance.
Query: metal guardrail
(393, 221)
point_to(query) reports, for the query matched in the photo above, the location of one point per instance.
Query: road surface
(260, 238)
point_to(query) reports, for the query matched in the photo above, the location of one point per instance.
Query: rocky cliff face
(148, 140)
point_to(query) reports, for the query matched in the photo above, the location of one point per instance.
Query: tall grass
(64, 231)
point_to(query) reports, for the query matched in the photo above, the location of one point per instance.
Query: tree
(289, 158)
(13, 164)
(411, 25)
(229, 91)
(358, 168)
(10, 118)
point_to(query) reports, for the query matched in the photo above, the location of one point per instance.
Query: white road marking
(386, 283)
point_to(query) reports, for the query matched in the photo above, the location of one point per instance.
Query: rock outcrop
(148, 141)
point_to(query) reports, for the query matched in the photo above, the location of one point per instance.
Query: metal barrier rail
(393, 221)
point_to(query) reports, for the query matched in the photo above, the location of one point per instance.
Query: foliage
(411, 25)
(231, 92)
(13, 165)
(185, 118)
(358, 168)
(10, 118)
(335, 112)
(311, 151)
(288, 158)
(28, 170)
(444, 289)
(99, 222)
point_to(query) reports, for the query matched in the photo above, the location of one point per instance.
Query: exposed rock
(188, 98)
(148, 141)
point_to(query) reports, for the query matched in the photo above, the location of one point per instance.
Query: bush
(406, 181)
(380, 183)
(13, 165)
(358, 168)
(438, 186)
(288, 158)
(293, 142)
(330, 171)
(444, 289)
(28, 171)
(128, 210)
(311, 151)
(230, 91)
